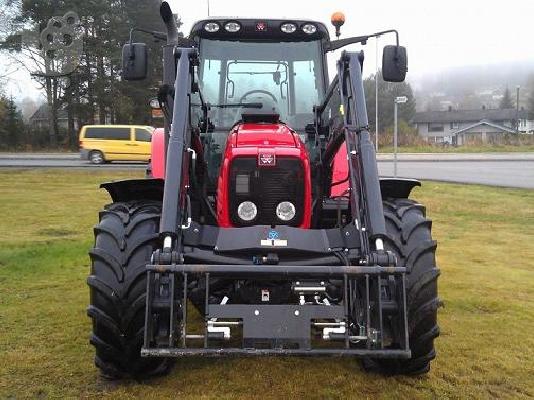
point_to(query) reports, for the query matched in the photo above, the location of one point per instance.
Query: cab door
(142, 138)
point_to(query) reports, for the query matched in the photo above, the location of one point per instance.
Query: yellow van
(103, 143)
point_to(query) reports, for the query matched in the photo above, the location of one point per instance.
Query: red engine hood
(265, 135)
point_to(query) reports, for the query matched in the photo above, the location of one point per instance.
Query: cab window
(108, 133)
(142, 135)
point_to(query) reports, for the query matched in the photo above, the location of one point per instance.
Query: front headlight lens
(309, 28)
(232, 26)
(288, 27)
(286, 211)
(211, 27)
(247, 211)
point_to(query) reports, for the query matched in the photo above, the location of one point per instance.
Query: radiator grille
(268, 186)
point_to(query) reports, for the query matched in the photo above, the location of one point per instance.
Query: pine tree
(387, 91)
(506, 101)
(12, 125)
(530, 88)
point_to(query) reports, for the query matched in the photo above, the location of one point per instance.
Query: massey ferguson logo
(266, 159)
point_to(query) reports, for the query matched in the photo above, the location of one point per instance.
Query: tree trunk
(55, 106)
(52, 133)
(71, 134)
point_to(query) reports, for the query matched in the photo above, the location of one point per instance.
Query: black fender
(135, 189)
(152, 189)
(397, 188)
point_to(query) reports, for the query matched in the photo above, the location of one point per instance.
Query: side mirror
(134, 61)
(394, 63)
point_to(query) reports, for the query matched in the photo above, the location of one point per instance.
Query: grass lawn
(486, 348)
(461, 149)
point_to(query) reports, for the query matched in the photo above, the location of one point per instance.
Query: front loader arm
(174, 208)
(365, 195)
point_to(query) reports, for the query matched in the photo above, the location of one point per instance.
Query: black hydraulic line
(340, 182)
(171, 216)
(350, 132)
(376, 225)
(329, 93)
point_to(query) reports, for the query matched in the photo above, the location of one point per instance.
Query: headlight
(247, 211)
(232, 26)
(309, 28)
(285, 211)
(288, 28)
(211, 27)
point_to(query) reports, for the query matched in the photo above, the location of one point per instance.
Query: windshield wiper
(236, 105)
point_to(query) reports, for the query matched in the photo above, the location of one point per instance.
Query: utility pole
(400, 99)
(517, 109)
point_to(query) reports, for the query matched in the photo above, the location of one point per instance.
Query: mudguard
(135, 189)
(397, 188)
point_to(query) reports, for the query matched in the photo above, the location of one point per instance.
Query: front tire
(125, 239)
(410, 238)
(97, 157)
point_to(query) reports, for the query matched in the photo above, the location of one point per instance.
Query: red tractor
(264, 211)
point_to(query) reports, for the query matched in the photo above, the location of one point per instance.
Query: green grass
(461, 149)
(486, 349)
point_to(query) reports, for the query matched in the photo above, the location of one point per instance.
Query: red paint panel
(157, 158)
(250, 140)
(265, 135)
(340, 172)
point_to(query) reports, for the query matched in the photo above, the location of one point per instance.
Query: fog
(449, 43)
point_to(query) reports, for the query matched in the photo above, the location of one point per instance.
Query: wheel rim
(96, 157)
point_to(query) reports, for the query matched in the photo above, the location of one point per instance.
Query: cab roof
(257, 29)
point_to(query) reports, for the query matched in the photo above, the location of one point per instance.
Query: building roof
(42, 114)
(508, 114)
(485, 122)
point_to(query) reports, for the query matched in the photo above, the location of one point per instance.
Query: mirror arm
(337, 44)
(378, 34)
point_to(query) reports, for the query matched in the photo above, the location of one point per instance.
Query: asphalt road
(519, 174)
(502, 169)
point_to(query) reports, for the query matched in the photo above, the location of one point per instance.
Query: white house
(463, 126)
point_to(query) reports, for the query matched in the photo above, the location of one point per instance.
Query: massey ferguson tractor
(264, 211)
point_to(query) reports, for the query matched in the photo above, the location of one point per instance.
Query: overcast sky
(438, 34)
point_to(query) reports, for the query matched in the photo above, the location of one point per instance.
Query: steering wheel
(265, 92)
(258, 91)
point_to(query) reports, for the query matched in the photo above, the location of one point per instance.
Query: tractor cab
(247, 65)
(258, 71)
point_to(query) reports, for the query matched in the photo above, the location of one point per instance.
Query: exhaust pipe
(170, 23)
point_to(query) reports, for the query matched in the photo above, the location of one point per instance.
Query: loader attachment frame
(352, 256)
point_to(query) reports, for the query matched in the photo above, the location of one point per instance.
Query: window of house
(436, 128)
(454, 125)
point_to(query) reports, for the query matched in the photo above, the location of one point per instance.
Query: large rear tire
(124, 241)
(410, 238)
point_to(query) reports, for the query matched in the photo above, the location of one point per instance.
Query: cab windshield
(285, 77)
